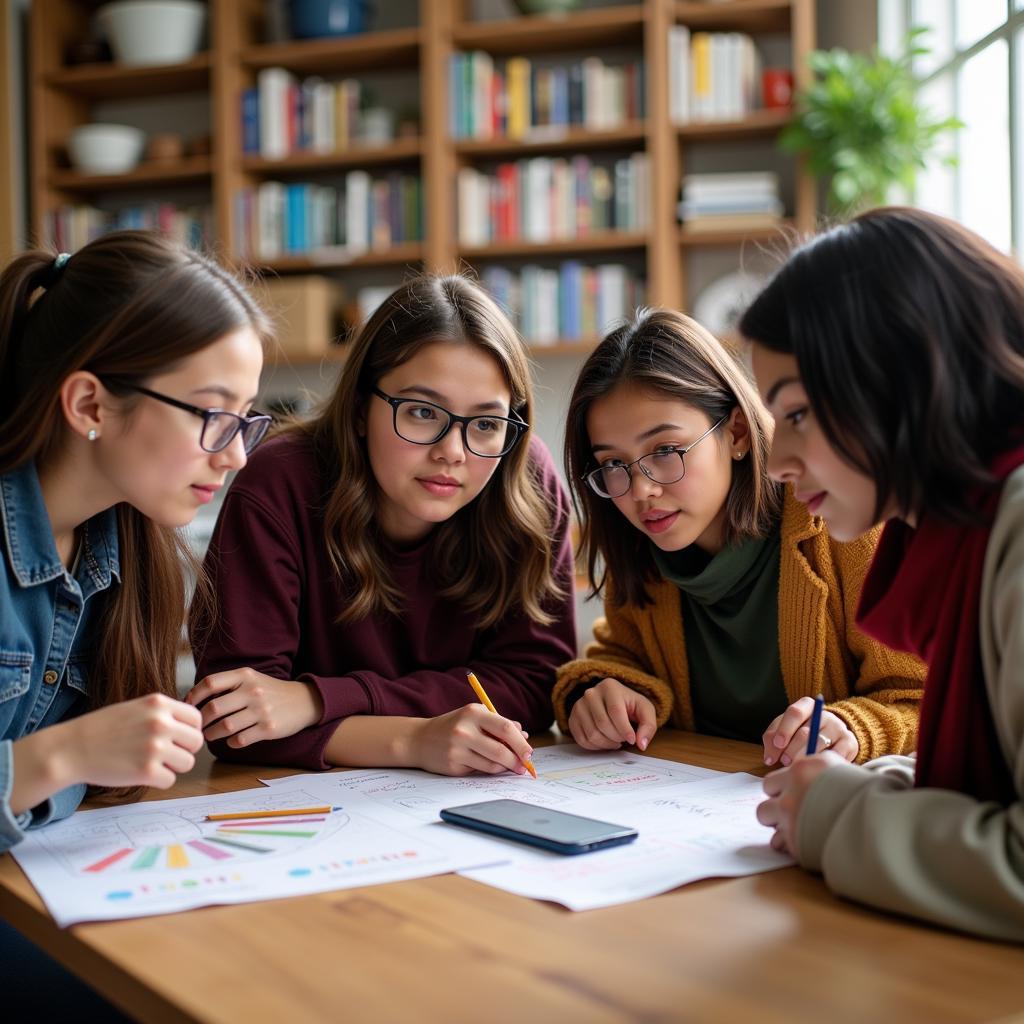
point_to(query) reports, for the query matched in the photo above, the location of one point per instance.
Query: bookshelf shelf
(401, 151)
(759, 124)
(596, 242)
(396, 255)
(610, 26)
(754, 16)
(371, 51)
(781, 232)
(114, 81)
(151, 175)
(555, 140)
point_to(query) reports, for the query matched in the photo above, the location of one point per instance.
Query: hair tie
(53, 272)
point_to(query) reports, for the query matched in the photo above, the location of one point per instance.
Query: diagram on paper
(165, 856)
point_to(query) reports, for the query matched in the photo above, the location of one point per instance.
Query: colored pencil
(486, 701)
(812, 739)
(268, 814)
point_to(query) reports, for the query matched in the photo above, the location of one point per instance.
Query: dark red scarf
(922, 594)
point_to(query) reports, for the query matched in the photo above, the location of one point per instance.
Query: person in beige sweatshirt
(890, 352)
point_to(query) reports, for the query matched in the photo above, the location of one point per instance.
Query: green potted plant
(860, 124)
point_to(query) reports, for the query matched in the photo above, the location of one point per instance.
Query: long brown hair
(670, 354)
(129, 306)
(491, 556)
(908, 330)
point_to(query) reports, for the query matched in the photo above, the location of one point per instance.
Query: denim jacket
(48, 623)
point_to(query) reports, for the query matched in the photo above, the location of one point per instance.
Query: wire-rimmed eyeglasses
(220, 427)
(421, 422)
(666, 466)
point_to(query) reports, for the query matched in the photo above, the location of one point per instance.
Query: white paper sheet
(701, 830)
(162, 856)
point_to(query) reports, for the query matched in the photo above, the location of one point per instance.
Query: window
(974, 72)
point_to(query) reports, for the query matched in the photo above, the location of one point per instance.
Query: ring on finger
(825, 741)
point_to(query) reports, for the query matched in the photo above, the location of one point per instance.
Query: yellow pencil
(486, 701)
(269, 814)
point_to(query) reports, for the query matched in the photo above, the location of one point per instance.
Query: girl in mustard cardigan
(727, 604)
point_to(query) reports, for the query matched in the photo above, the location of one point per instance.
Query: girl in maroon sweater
(365, 561)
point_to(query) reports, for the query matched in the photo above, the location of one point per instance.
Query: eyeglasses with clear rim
(662, 467)
(220, 427)
(421, 422)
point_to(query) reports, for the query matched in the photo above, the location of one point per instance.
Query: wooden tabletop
(771, 947)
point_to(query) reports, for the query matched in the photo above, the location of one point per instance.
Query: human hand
(786, 790)
(470, 739)
(786, 738)
(247, 706)
(147, 741)
(604, 717)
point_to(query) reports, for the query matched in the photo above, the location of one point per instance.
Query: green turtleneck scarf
(730, 618)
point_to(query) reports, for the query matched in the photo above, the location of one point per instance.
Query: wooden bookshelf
(62, 97)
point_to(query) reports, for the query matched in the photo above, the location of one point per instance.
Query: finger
(178, 760)
(588, 735)
(232, 725)
(217, 683)
(647, 722)
(620, 723)
(771, 752)
(160, 777)
(778, 842)
(775, 783)
(187, 714)
(478, 763)
(846, 747)
(797, 745)
(599, 713)
(792, 718)
(510, 735)
(187, 737)
(221, 707)
(768, 812)
(246, 737)
(486, 746)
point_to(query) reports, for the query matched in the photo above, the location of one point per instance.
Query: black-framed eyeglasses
(422, 422)
(667, 466)
(220, 427)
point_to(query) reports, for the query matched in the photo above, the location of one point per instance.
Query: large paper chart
(164, 856)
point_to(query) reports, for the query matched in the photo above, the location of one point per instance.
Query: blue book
(251, 121)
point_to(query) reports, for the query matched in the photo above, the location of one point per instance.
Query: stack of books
(743, 201)
(713, 76)
(70, 227)
(572, 302)
(546, 199)
(517, 99)
(363, 214)
(284, 115)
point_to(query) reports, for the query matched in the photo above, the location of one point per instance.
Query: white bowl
(153, 31)
(105, 148)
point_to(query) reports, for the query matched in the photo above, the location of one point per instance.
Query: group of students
(414, 530)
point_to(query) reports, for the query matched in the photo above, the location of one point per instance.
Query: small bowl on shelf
(105, 148)
(153, 32)
(322, 19)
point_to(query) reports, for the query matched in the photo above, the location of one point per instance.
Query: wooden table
(771, 947)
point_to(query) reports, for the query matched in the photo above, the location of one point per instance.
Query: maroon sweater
(278, 601)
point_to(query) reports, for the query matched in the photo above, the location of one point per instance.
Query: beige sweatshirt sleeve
(929, 853)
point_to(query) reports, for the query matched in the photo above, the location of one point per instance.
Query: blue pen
(812, 740)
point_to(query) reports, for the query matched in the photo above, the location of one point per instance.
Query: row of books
(572, 302)
(70, 227)
(547, 198)
(284, 115)
(363, 213)
(745, 200)
(713, 76)
(516, 98)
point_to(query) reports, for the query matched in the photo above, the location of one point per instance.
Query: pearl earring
(92, 435)
(738, 455)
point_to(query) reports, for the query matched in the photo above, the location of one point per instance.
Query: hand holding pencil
(486, 701)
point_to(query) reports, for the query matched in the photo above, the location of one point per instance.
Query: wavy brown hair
(495, 554)
(130, 305)
(671, 355)
(908, 331)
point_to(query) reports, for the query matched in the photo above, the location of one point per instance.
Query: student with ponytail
(127, 372)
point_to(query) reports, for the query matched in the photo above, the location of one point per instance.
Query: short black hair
(908, 331)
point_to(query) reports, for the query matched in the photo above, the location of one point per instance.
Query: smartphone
(539, 826)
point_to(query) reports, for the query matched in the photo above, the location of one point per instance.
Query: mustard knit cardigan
(874, 690)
